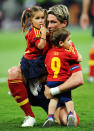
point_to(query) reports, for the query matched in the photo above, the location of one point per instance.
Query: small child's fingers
(41, 26)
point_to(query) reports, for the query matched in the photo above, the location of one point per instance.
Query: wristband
(43, 38)
(54, 91)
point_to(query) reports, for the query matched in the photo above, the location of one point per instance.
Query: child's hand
(47, 92)
(43, 30)
(79, 57)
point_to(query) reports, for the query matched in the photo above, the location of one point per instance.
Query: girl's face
(67, 42)
(38, 19)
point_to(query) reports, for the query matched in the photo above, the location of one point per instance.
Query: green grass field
(12, 47)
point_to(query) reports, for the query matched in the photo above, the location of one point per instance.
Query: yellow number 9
(55, 66)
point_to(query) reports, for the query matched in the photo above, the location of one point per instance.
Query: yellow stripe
(15, 81)
(34, 31)
(92, 51)
(27, 51)
(23, 102)
(17, 97)
(70, 50)
(37, 32)
(91, 62)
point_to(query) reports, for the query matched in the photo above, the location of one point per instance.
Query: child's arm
(79, 57)
(76, 52)
(42, 42)
(73, 54)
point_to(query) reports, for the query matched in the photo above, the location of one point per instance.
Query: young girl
(32, 63)
(57, 61)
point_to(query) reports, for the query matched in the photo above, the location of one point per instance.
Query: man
(14, 74)
(76, 79)
(84, 22)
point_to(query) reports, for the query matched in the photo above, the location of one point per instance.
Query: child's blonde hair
(28, 14)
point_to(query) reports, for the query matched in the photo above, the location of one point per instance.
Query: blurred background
(12, 42)
(11, 10)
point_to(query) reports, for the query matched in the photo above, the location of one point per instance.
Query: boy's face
(67, 42)
(38, 19)
(53, 23)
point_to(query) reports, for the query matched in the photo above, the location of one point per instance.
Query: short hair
(60, 11)
(59, 34)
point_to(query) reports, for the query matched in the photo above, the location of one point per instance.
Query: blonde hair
(60, 11)
(28, 14)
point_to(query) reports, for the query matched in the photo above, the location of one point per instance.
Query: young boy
(57, 62)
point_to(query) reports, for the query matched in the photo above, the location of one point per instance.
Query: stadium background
(12, 45)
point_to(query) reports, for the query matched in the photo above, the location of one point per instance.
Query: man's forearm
(86, 4)
(75, 80)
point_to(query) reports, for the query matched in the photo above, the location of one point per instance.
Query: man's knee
(76, 119)
(14, 73)
(62, 117)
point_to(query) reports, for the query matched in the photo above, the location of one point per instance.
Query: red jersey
(33, 38)
(59, 65)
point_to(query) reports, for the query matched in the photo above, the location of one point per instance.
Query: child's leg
(51, 111)
(70, 106)
(52, 106)
(70, 116)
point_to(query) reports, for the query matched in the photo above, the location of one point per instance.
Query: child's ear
(61, 43)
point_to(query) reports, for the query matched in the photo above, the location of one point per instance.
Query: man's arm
(86, 4)
(84, 19)
(75, 80)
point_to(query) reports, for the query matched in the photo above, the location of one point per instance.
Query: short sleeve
(34, 36)
(71, 54)
(75, 67)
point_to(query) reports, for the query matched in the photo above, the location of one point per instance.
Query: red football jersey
(59, 65)
(33, 38)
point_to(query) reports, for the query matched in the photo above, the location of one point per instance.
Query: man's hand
(84, 21)
(47, 92)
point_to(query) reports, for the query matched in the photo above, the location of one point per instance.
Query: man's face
(53, 23)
